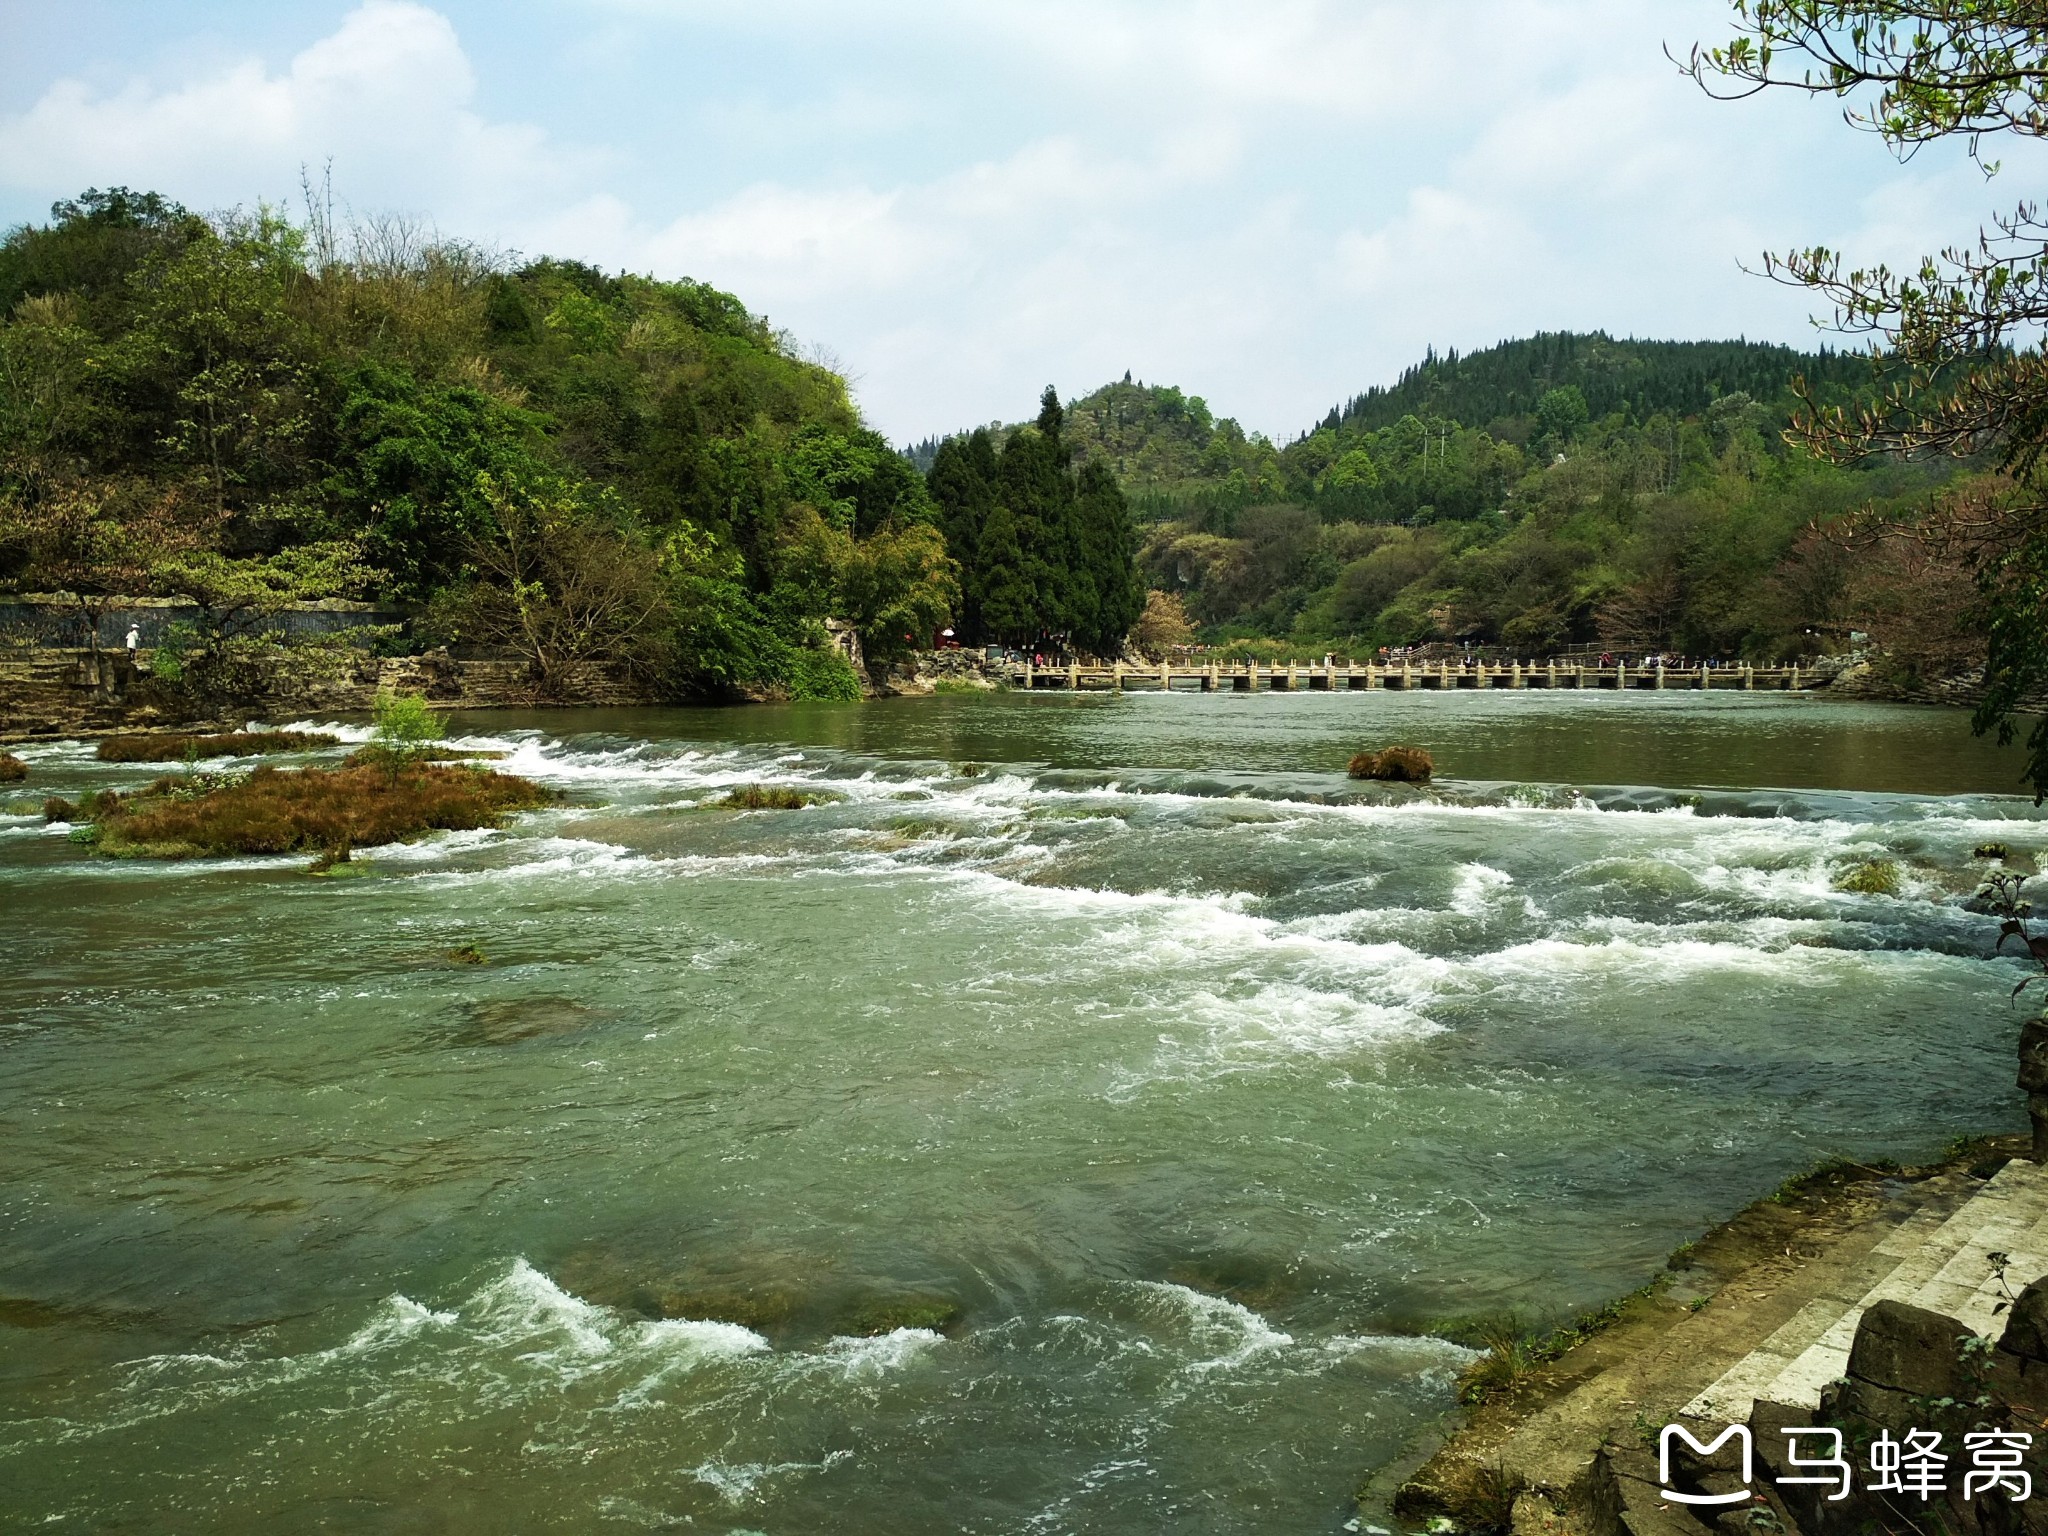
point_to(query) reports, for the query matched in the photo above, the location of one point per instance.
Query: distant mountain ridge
(1157, 436)
(1644, 378)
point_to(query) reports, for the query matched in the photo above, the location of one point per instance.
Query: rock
(1399, 765)
(512, 1021)
(1622, 1497)
(2033, 1076)
(2026, 1330)
(1909, 1349)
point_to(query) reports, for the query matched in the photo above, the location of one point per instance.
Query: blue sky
(1272, 204)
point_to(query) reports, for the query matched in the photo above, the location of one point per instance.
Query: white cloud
(386, 96)
(1273, 204)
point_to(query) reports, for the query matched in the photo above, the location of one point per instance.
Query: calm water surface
(1077, 1125)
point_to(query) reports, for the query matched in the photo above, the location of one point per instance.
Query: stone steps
(1942, 1265)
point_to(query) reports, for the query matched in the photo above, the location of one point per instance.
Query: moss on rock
(310, 810)
(1871, 877)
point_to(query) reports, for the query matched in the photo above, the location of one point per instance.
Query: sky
(1273, 204)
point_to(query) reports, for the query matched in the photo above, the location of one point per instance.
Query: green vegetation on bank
(583, 468)
(1556, 492)
(592, 469)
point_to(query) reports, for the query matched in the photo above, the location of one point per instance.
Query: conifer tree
(1003, 598)
(1048, 553)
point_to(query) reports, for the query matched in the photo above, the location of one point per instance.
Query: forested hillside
(1501, 387)
(245, 411)
(1566, 490)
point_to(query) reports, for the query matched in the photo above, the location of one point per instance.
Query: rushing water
(1077, 1125)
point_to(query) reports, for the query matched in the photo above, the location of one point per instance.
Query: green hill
(583, 466)
(1501, 387)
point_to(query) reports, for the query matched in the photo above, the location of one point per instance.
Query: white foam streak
(1237, 1333)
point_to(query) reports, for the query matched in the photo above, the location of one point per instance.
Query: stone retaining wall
(58, 693)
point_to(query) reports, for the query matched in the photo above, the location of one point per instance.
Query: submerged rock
(513, 1020)
(1871, 877)
(886, 1314)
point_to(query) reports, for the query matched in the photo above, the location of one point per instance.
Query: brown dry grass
(171, 749)
(12, 769)
(312, 810)
(1400, 765)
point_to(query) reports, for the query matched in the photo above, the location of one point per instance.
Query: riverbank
(1535, 1448)
(54, 694)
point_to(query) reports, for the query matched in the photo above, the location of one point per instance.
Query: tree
(411, 455)
(1162, 626)
(1105, 565)
(1956, 340)
(218, 351)
(1003, 595)
(559, 582)
(96, 543)
(1560, 416)
(406, 730)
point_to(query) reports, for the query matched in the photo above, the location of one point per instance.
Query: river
(1081, 1123)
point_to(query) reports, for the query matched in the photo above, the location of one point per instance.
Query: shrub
(12, 769)
(173, 749)
(407, 729)
(821, 675)
(1991, 851)
(1399, 765)
(1872, 877)
(1511, 1358)
(58, 809)
(766, 797)
(314, 809)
